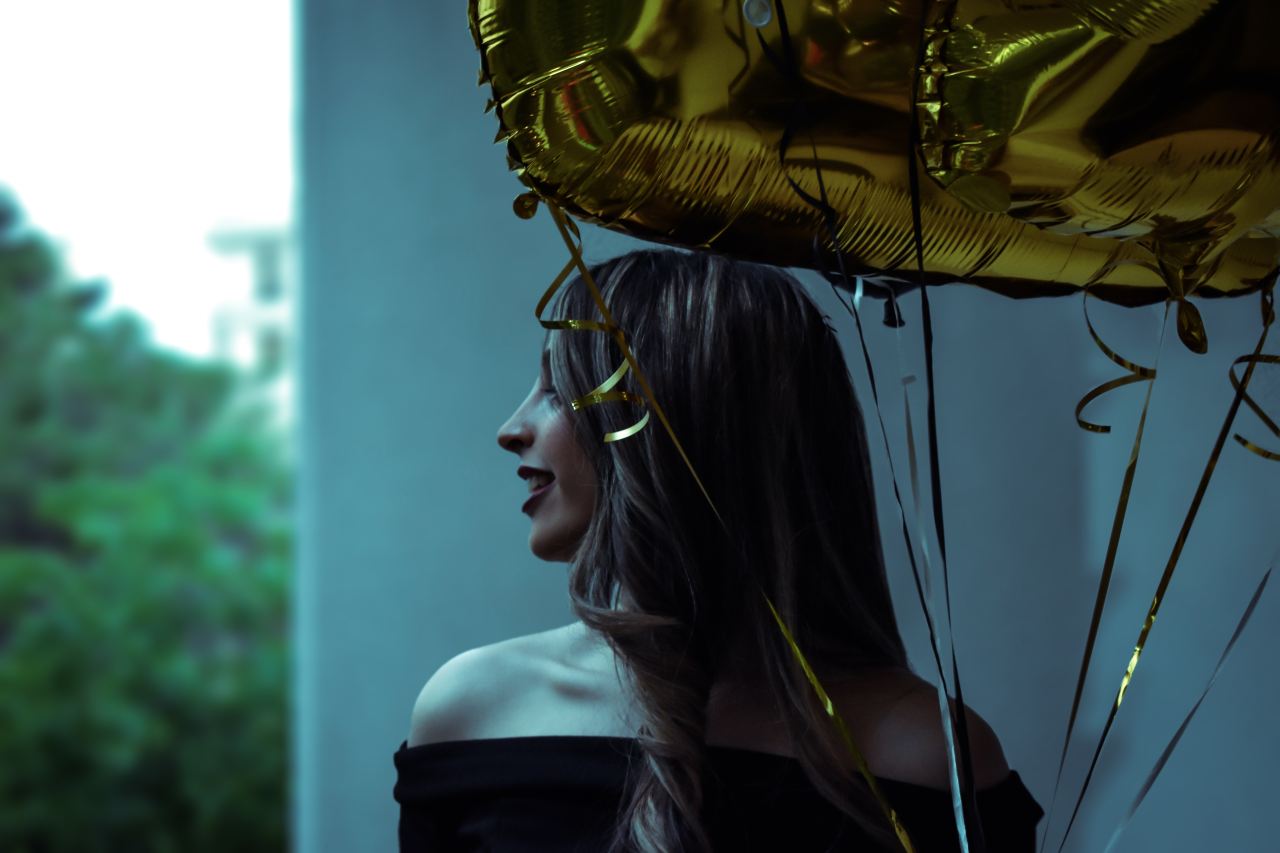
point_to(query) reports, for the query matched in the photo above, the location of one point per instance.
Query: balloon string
(1268, 316)
(967, 790)
(572, 238)
(1158, 598)
(789, 69)
(962, 788)
(1138, 374)
(921, 595)
(1177, 735)
(913, 474)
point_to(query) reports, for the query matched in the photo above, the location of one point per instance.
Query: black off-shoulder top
(561, 793)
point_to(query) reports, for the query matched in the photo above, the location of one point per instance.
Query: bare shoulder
(458, 701)
(904, 739)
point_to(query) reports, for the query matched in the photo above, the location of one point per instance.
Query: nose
(515, 434)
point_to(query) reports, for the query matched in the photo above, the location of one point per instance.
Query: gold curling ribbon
(1251, 403)
(1177, 735)
(1268, 317)
(604, 395)
(1188, 520)
(573, 242)
(525, 206)
(1137, 374)
(830, 708)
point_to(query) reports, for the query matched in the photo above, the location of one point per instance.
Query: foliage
(145, 554)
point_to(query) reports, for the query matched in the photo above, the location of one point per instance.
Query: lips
(540, 482)
(535, 495)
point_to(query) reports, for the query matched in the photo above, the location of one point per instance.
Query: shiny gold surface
(1128, 144)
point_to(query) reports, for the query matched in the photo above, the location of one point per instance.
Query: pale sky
(130, 129)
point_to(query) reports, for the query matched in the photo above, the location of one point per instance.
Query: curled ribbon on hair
(525, 206)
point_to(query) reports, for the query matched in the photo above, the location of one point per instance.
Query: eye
(551, 394)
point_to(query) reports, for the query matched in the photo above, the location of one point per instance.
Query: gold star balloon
(1130, 145)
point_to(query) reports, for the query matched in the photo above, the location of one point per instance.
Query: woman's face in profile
(561, 480)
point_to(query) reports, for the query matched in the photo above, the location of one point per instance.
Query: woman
(674, 716)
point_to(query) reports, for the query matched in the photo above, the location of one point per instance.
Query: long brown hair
(755, 385)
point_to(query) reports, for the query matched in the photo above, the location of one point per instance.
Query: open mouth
(539, 485)
(539, 482)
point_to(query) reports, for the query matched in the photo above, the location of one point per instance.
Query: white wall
(418, 338)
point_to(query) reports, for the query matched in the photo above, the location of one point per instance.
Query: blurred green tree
(145, 554)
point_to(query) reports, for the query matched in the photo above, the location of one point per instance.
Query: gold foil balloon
(1126, 144)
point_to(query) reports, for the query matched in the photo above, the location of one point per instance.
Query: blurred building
(254, 330)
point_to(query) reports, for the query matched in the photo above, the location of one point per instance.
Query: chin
(551, 549)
